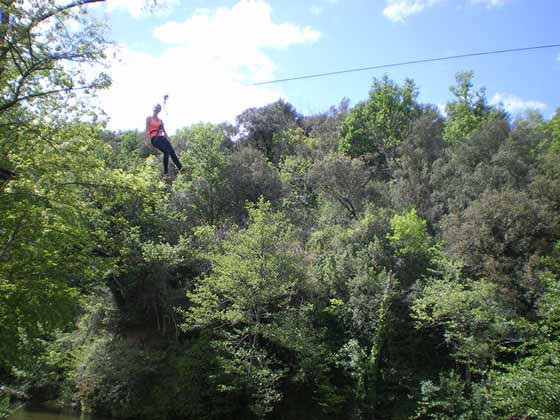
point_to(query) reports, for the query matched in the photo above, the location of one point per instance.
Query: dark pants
(161, 143)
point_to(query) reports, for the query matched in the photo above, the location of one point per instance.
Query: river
(42, 414)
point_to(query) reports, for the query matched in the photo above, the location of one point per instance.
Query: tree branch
(68, 6)
(13, 102)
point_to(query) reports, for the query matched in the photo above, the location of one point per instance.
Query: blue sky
(204, 53)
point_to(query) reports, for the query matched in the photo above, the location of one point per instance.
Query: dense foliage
(381, 261)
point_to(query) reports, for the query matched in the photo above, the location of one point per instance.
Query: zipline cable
(406, 63)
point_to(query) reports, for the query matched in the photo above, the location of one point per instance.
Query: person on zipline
(156, 134)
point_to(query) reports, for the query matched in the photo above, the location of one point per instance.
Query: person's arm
(147, 133)
(163, 129)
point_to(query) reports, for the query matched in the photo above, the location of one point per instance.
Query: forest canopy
(382, 260)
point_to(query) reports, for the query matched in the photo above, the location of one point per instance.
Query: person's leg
(159, 142)
(165, 162)
(172, 153)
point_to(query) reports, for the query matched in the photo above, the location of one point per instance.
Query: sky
(205, 54)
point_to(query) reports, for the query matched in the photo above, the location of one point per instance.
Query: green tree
(44, 51)
(412, 186)
(553, 127)
(546, 182)
(468, 111)
(300, 197)
(531, 384)
(378, 125)
(470, 167)
(37, 46)
(4, 406)
(254, 277)
(344, 181)
(475, 319)
(129, 145)
(258, 126)
(325, 127)
(501, 237)
(408, 234)
(368, 285)
(206, 188)
(248, 176)
(64, 221)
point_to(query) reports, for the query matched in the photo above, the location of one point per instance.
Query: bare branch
(69, 6)
(14, 101)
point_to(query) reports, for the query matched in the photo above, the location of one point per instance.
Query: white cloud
(247, 25)
(514, 104)
(205, 66)
(399, 10)
(142, 8)
(490, 3)
(199, 90)
(442, 107)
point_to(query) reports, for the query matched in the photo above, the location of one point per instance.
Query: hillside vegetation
(375, 261)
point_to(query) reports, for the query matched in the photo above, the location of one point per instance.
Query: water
(43, 414)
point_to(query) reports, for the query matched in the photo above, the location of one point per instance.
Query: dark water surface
(42, 414)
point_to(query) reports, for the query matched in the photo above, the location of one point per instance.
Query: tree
(378, 125)
(248, 176)
(475, 319)
(546, 182)
(344, 181)
(446, 400)
(44, 48)
(64, 228)
(531, 385)
(206, 188)
(67, 210)
(325, 127)
(412, 186)
(300, 198)
(553, 127)
(468, 111)
(258, 126)
(129, 145)
(501, 237)
(467, 169)
(368, 285)
(408, 234)
(254, 277)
